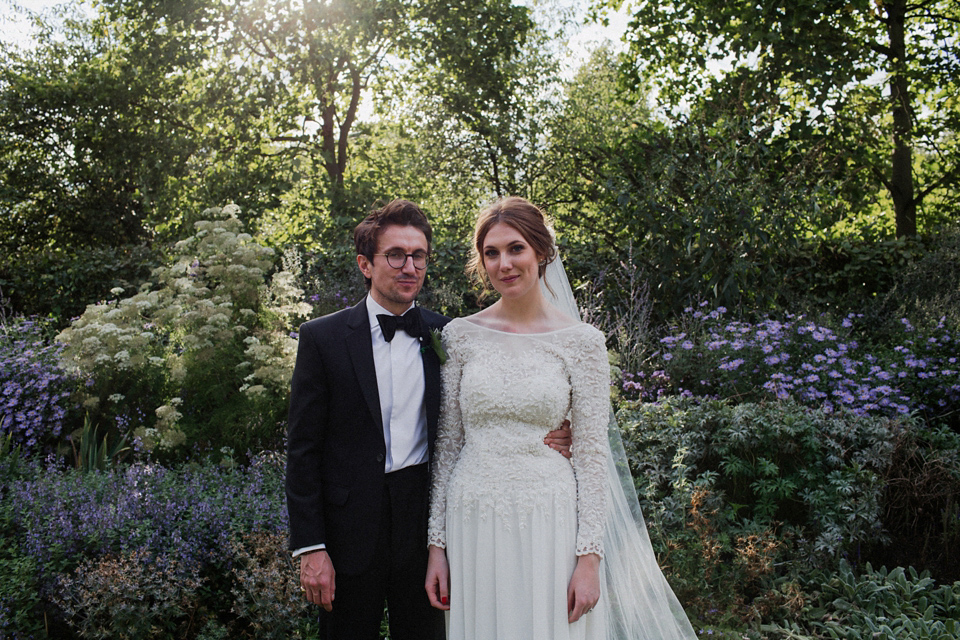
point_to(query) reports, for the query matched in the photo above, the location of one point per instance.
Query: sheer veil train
(640, 603)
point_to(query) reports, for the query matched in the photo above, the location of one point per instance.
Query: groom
(364, 407)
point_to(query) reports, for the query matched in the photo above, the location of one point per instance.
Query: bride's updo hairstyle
(522, 215)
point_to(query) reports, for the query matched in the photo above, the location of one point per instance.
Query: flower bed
(709, 354)
(146, 551)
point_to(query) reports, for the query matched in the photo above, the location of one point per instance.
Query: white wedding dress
(512, 513)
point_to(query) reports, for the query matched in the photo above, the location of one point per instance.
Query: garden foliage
(59, 283)
(877, 604)
(203, 356)
(743, 500)
(147, 551)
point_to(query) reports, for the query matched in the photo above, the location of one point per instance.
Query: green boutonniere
(436, 345)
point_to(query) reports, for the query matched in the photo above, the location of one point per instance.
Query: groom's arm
(306, 422)
(306, 418)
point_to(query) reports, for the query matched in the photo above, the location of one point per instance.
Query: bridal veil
(640, 603)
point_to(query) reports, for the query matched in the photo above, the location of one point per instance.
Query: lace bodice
(502, 393)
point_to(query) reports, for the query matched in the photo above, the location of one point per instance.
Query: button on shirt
(401, 387)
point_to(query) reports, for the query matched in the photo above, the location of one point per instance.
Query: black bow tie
(409, 322)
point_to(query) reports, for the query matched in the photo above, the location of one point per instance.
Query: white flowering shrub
(200, 357)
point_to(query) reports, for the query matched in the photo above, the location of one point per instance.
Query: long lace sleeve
(589, 372)
(449, 438)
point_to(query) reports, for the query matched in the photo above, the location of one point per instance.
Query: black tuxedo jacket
(335, 449)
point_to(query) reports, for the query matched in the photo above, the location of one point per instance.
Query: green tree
(74, 156)
(877, 80)
(466, 148)
(592, 134)
(114, 129)
(701, 209)
(337, 53)
(482, 75)
(330, 50)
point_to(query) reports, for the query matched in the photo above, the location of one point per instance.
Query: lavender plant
(95, 539)
(189, 513)
(708, 354)
(34, 388)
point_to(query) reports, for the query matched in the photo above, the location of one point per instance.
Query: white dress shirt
(401, 386)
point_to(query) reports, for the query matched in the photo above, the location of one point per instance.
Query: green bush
(772, 464)
(749, 505)
(132, 596)
(20, 605)
(876, 604)
(841, 273)
(60, 283)
(203, 358)
(927, 290)
(19, 589)
(741, 498)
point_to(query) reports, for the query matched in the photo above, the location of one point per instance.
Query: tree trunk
(901, 180)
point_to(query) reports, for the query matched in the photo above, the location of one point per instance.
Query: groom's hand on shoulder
(560, 439)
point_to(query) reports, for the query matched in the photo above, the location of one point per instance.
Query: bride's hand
(584, 590)
(438, 579)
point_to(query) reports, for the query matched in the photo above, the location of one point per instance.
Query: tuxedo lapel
(431, 394)
(431, 378)
(360, 348)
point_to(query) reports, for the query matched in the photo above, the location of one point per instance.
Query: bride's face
(510, 262)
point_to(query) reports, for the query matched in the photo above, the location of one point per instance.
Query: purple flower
(35, 387)
(732, 365)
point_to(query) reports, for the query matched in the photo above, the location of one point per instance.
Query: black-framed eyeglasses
(397, 259)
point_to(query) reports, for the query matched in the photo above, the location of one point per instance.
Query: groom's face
(394, 289)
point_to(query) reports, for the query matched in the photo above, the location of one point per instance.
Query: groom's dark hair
(397, 212)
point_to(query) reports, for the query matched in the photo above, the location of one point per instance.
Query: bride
(525, 544)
